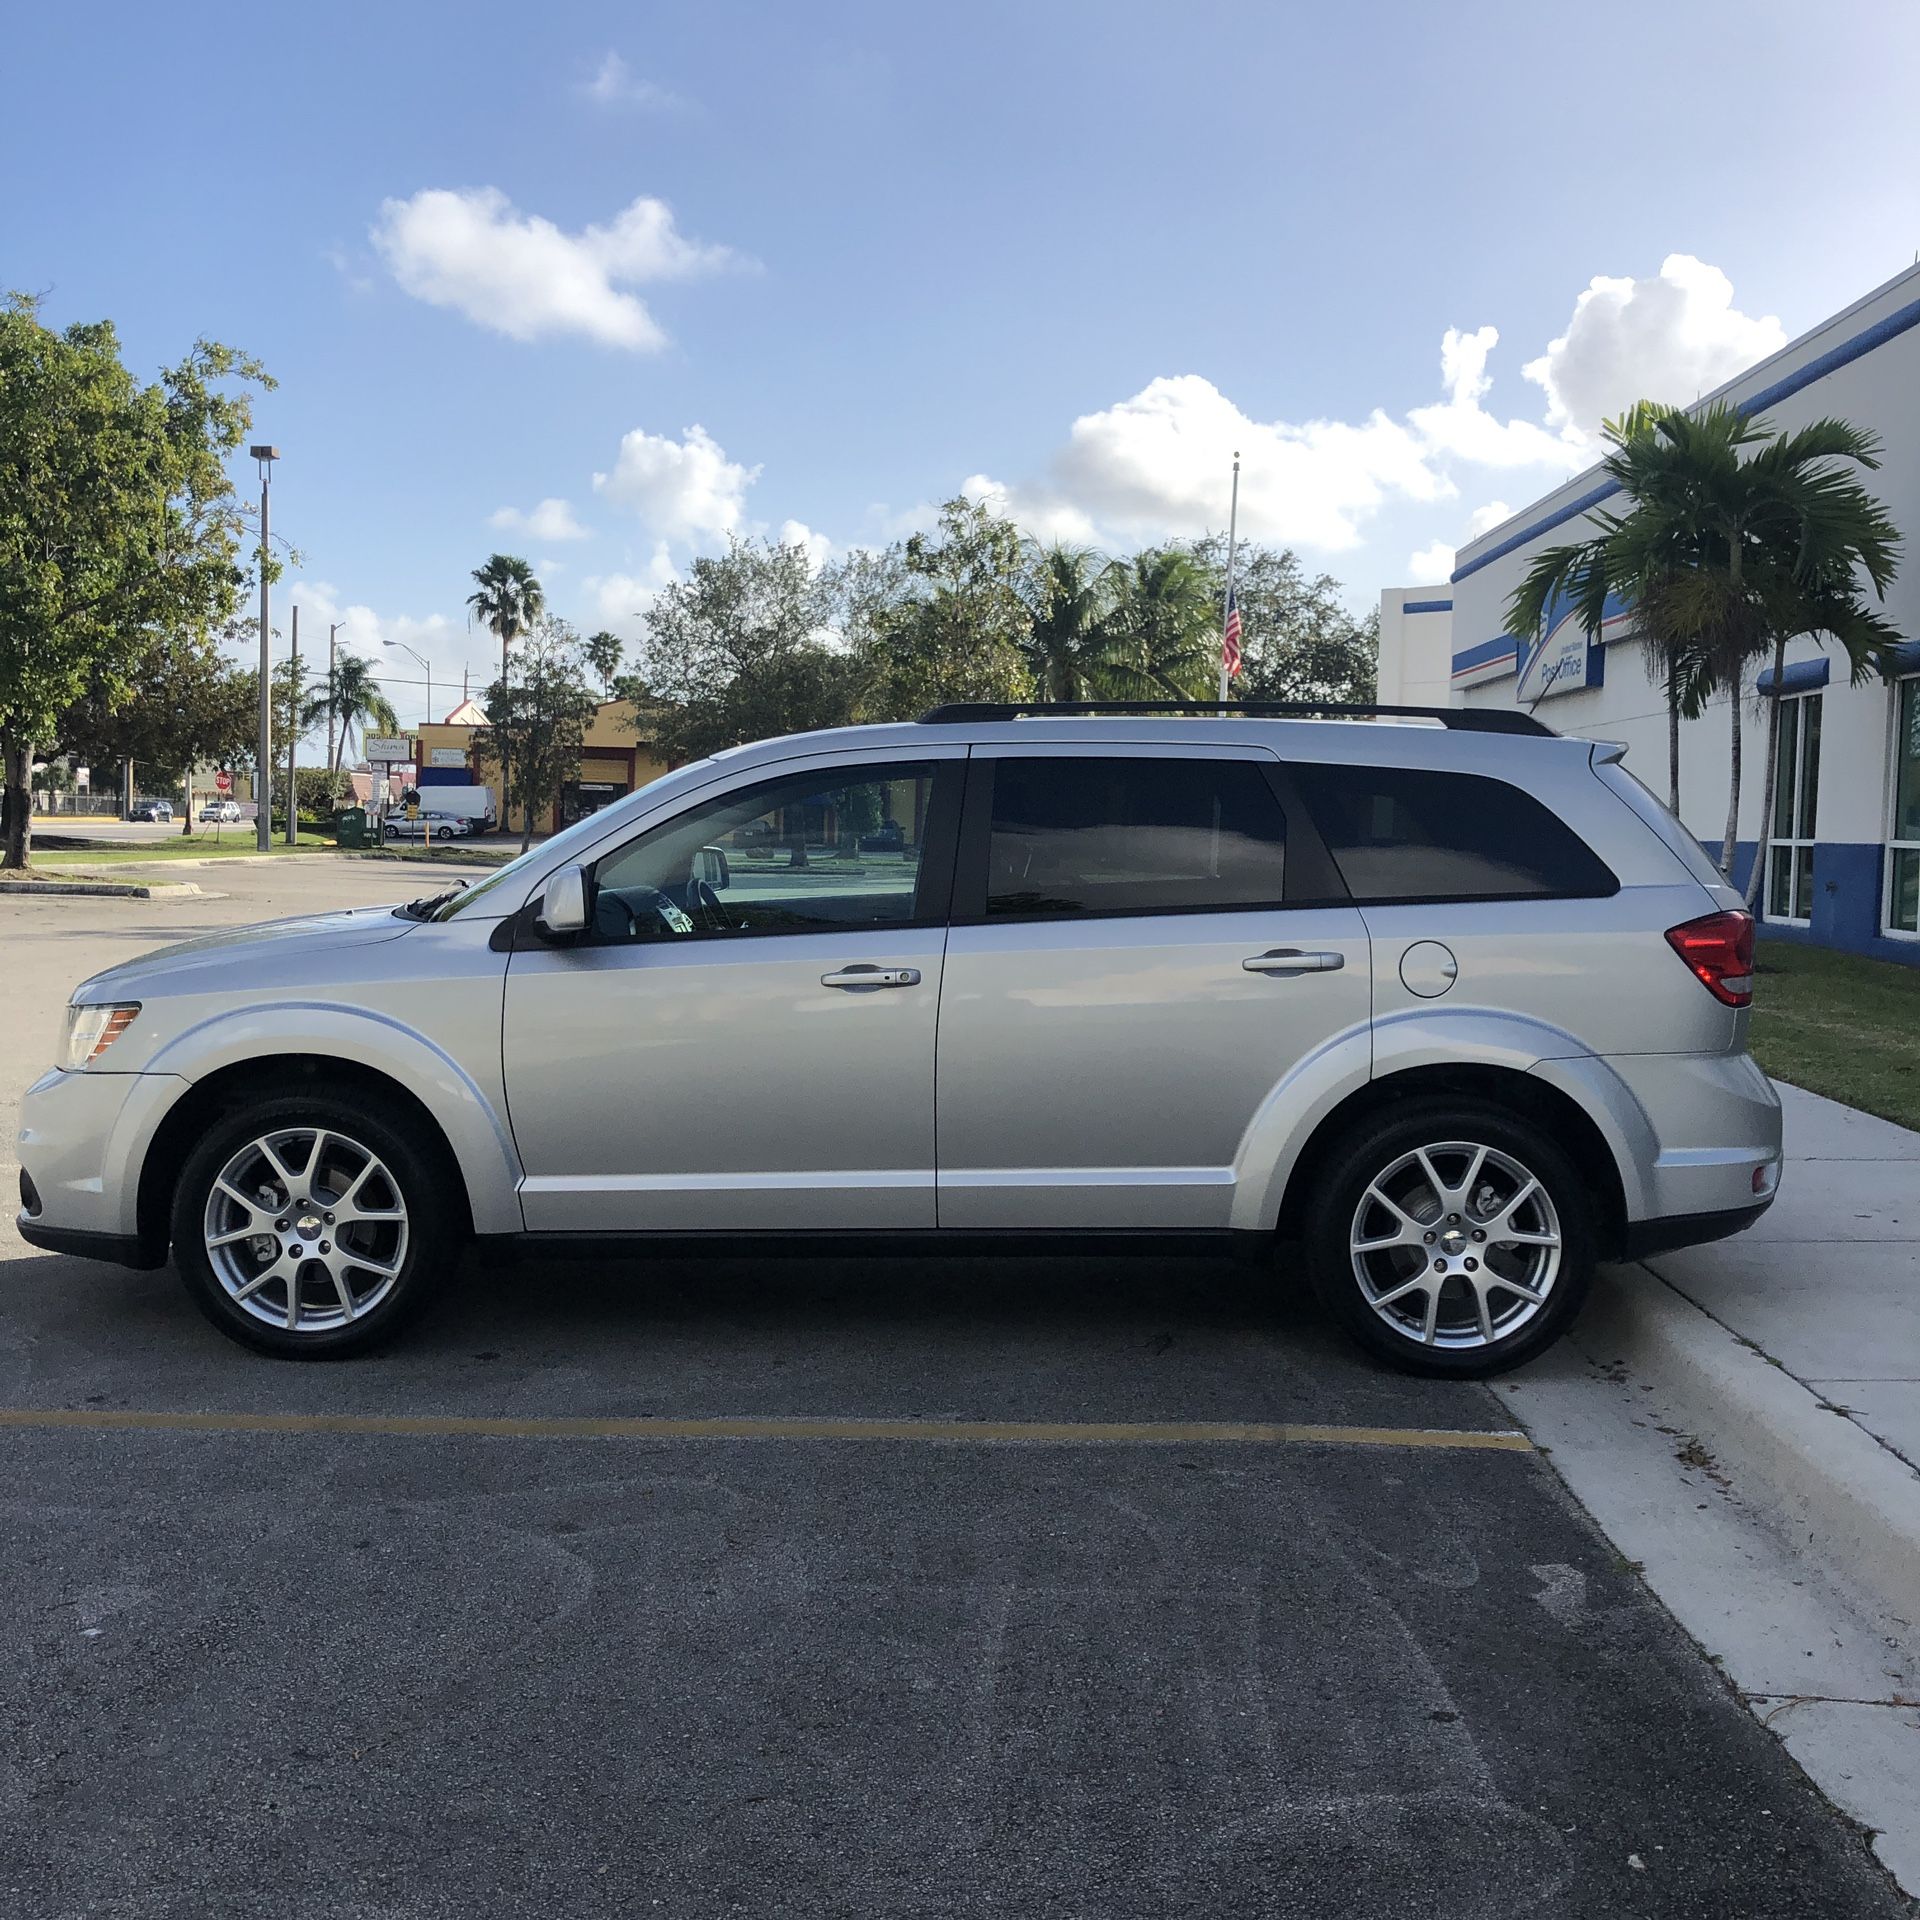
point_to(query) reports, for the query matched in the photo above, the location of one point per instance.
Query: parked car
(428, 826)
(887, 837)
(225, 811)
(1440, 1011)
(151, 810)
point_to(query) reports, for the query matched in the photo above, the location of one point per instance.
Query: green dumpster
(350, 828)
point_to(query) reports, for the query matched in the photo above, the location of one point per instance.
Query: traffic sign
(223, 780)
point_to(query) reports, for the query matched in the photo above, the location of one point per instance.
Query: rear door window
(1410, 834)
(1071, 836)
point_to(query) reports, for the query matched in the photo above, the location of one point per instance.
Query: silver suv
(1441, 1003)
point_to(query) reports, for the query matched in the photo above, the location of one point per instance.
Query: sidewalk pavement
(1743, 1421)
(1827, 1284)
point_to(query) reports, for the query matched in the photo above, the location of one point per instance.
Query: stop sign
(224, 781)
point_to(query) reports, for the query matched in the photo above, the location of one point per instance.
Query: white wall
(1416, 649)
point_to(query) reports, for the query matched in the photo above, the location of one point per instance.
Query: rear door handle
(866, 976)
(1292, 960)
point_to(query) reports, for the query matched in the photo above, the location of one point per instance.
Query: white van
(470, 803)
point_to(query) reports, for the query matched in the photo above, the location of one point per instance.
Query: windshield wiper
(424, 909)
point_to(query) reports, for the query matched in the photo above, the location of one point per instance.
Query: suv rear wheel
(308, 1228)
(1452, 1238)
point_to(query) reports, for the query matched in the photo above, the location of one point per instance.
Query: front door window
(1796, 794)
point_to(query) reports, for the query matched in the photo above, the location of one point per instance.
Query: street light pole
(263, 759)
(293, 737)
(331, 631)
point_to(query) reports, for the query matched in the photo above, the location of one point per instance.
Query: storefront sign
(388, 749)
(1562, 663)
(446, 757)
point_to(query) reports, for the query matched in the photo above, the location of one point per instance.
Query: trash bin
(350, 828)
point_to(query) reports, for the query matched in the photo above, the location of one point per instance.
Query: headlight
(92, 1030)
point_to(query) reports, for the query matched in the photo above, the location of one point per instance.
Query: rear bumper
(1644, 1238)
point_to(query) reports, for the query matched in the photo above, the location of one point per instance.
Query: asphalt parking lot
(723, 1587)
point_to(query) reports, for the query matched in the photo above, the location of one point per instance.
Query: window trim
(1889, 843)
(1795, 705)
(1305, 872)
(933, 885)
(1458, 899)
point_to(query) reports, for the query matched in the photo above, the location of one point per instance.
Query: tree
(1300, 640)
(953, 623)
(1072, 648)
(1167, 616)
(537, 721)
(356, 701)
(736, 651)
(603, 651)
(322, 791)
(509, 599)
(119, 528)
(178, 706)
(1738, 538)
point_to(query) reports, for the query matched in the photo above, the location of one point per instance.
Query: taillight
(1719, 949)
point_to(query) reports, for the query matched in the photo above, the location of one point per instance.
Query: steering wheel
(706, 908)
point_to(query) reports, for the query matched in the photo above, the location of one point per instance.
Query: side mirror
(563, 906)
(711, 868)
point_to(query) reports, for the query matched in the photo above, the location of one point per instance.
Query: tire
(445, 833)
(367, 1283)
(1386, 1216)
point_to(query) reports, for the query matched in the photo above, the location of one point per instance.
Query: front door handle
(866, 976)
(1292, 960)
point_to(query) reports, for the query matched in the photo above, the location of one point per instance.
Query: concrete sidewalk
(1743, 1420)
(1827, 1285)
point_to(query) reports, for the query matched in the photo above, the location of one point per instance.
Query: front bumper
(83, 1140)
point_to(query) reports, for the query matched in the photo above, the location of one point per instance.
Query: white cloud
(551, 520)
(1461, 426)
(1670, 338)
(620, 600)
(796, 533)
(521, 275)
(445, 645)
(615, 84)
(1437, 561)
(685, 489)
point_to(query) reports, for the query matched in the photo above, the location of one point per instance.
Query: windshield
(581, 834)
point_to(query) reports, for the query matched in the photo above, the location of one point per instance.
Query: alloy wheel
(305, 1229)
(1456, 1245)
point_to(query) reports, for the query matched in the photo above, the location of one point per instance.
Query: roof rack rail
(1459, 719)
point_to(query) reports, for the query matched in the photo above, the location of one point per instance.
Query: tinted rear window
(1079, 836)
(1407, 833)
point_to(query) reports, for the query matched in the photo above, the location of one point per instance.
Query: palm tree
(1167, 616)
(1068, 644)
(357, 701)
(509, 599)
(603, 651)
(1738, 538)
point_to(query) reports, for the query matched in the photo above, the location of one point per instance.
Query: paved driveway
(545, 1611)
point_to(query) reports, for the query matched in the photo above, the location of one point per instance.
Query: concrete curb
(1853, 1505)
(95, 889)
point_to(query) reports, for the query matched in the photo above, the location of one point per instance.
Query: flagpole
(1226, 599)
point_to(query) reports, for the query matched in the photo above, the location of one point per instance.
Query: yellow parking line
(1107, 1433)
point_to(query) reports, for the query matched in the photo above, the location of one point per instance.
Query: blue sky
(875, 252)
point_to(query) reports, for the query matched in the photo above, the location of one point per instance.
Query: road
(292, 1641)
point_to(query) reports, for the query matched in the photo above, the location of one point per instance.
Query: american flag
(1230, 637)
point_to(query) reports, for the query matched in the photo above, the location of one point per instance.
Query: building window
(1903, 832)
(1796, 797)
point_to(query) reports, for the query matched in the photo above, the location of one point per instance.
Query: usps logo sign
(1563, 662)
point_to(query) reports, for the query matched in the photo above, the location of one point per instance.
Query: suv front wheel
(307, 1227)
(1452, 1238)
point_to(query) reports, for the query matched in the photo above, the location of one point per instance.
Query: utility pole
(293, 738)
(263, 757)
(331, 631)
